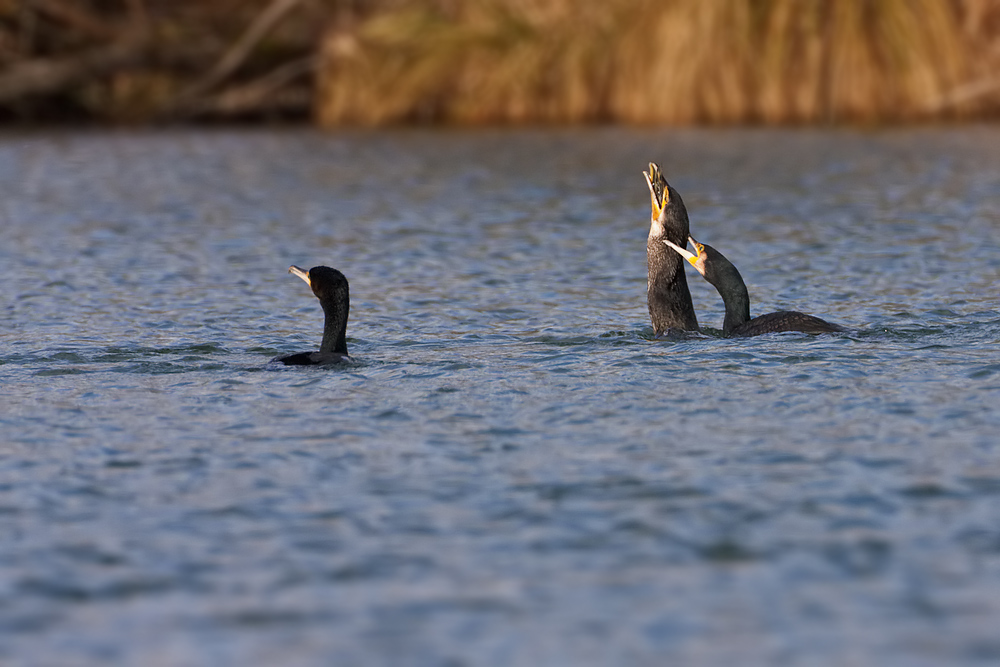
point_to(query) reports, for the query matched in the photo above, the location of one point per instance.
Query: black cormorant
(330, 287)
(719, 271)
(667, 293)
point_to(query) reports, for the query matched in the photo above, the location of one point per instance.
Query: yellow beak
(659, 191)
(683, 253)
(652, 196)
(301, 273)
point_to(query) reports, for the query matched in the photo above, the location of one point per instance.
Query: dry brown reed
(137, 60)
(663, 61)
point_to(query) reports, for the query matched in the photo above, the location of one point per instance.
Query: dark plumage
(667, 293)
(721, 273)
(330, 287)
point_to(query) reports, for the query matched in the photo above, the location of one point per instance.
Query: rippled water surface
(513, 472)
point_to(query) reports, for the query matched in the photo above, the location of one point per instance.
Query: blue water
(513, 472)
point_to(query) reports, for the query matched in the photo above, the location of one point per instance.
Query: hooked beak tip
(301, 273)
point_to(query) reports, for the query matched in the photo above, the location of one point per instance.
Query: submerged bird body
(721, 273)
(783, 320)
(331, 288)
(667, 293)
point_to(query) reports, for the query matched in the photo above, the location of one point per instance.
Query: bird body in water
(667, 293)
(721, 273)
(330, 287)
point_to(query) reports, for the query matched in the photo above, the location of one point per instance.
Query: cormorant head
(326, 283)
(697, 258)
(667, 206)
(711, 264)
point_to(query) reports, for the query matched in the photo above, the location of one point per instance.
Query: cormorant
(667, 293)
(330, 287)
(719, 271)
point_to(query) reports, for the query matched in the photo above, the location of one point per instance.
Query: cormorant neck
(667, 294)
(335, 309)
(727, 280)
(737, 302)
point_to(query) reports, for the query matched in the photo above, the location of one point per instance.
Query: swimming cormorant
(667, 293)
(719, 271)
(330, 287)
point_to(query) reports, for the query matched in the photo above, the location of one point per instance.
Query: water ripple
(514, 470)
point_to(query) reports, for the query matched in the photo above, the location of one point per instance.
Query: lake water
(513, 472)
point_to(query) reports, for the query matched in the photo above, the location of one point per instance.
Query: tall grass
(654, 61)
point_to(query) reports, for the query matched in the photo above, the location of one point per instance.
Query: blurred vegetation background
(374, 62)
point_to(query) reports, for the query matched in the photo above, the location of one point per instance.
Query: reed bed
(665, 61)
(164, 60)
(373, 62)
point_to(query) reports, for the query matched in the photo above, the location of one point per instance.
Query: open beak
(698, 248)
(696, 258)
(683, 252)
(658, 192)
(652, 193)
(301, 274)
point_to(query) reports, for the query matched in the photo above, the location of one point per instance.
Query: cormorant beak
(683, 252)
(699, 257)
(658, 205)
(699, 249)
(696, 260)
(652, 196)
(301, 274)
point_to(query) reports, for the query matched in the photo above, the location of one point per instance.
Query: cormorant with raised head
(330, 287)
(719, 271)
(667, 293)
